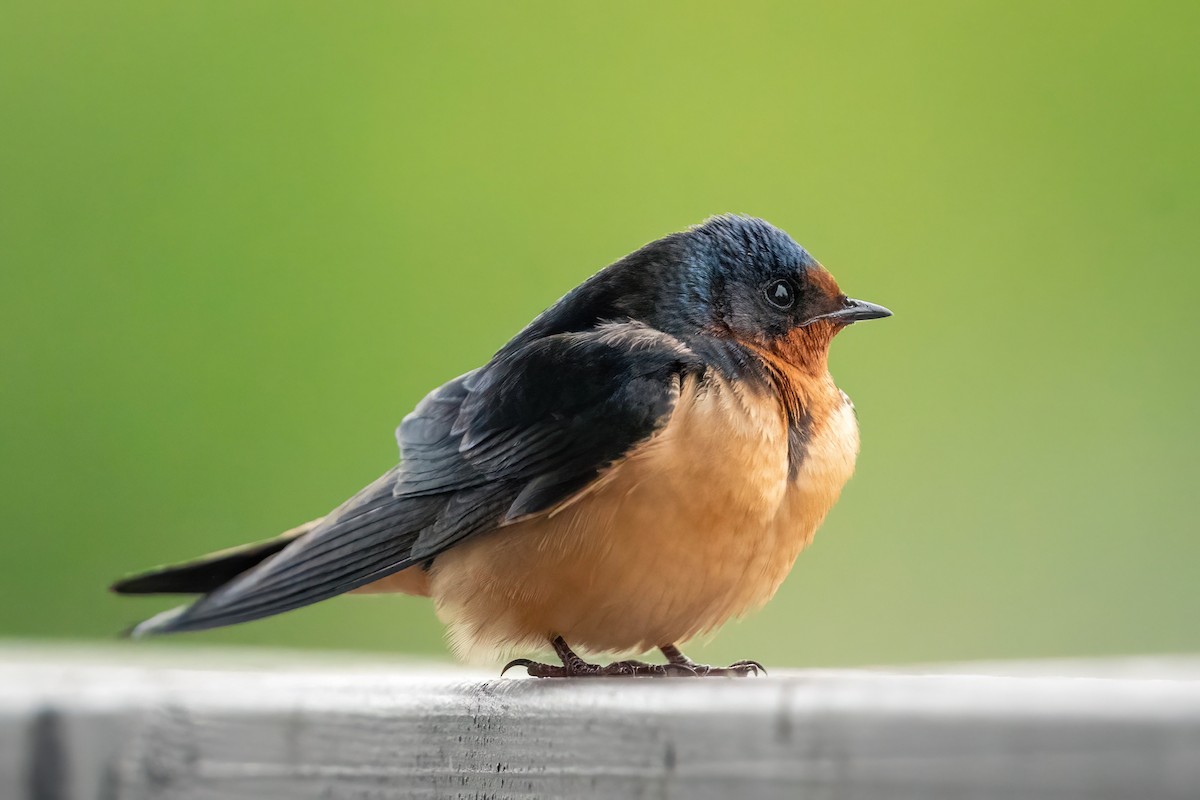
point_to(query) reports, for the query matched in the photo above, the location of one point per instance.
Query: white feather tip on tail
(157, 623)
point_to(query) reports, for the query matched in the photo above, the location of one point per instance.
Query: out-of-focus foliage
(239, 241)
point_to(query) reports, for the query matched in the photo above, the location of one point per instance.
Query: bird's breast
(699, 524)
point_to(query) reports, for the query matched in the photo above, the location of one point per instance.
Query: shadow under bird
(640, 464)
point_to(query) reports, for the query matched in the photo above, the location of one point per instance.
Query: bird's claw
(738, 670)
(747, 667)
(521, 662)
(685, 666)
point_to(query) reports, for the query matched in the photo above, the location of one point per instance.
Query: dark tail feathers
(209, 572)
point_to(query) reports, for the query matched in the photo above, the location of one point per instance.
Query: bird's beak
(854, 311)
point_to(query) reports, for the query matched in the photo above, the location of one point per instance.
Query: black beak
(855, 311)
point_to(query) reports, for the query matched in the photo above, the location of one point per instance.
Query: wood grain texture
(120, 725)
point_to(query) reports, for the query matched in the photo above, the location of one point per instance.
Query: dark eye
(781, 294)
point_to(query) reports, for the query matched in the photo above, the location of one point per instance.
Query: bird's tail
(367, 538)
(204, 574)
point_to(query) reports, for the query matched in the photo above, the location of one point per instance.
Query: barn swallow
(641, 463)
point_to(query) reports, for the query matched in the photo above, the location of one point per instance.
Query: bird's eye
(781, 294)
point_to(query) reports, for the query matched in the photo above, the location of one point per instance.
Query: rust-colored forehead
(819, 277)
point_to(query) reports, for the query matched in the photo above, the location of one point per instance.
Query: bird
(640, 464)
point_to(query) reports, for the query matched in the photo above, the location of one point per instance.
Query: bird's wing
(537, 425)
(508, 441)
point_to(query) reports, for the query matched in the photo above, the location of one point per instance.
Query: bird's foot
(738, 669)
(678, 665)
(575, 667)
(578, 668)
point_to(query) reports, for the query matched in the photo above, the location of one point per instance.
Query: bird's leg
(575, 667)
(739, 669)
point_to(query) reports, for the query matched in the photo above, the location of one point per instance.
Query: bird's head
(744, 279)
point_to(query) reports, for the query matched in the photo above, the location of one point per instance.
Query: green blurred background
(240, 240)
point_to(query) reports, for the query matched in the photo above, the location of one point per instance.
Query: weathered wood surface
(194, 724)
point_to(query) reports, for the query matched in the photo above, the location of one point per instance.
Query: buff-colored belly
(699, 526)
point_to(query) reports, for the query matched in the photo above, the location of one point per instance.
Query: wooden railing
(182, 722)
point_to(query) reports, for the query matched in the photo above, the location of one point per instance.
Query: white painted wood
(131, 723)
